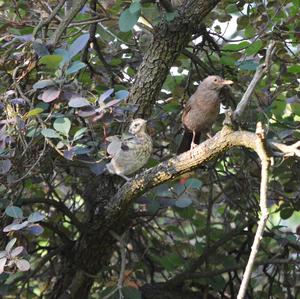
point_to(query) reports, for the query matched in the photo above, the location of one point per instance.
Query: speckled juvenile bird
(201, 111)
(131, 153)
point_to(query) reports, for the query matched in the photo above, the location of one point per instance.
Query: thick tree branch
(169, 39)
(178, 165)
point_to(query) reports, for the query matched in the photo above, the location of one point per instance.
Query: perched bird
(130, 153)
(201, 111)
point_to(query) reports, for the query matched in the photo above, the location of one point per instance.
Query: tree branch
(169, 39)
(260, 71)
(77, 5)
(261, 151)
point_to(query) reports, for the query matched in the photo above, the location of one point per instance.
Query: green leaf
(128, 20)
(62, 125)
(235, 47)
(43, 83)
(171, 261)
(51, 61)
(14, 212)
(78, 102)
(79, 133)
(121, 94)
(227, 60)
(78, 45)
(75, 67)
(286, 213)
(183, 203)
(10, 244)
(135, 7)
(254, 47)
(35, 217)
(34, 112)
(193, 183)
(49, 133)
(170, 16)
(131, 293)
(294, 69)
(248, 65)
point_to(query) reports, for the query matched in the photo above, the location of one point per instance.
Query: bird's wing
(114, 146)
(186, 110)
(130, 142)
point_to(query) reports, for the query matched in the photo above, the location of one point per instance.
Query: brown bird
(130, 153)
(201, 111)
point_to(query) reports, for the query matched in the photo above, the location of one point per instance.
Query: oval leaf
(79, 133)
(35, 217)
(76, 66)
(128, 20)
(16, 251)
(34, 112)
(5, 166)
(105, 95)
(183, 203)
(50, 95)
(51, 61)
(135, 7)
(43, 83)
(10, 244)
(49, 133)
(14, 212)
(62, 125)
(2, 264)
(121, 94)
(78, 45)
(15, 226)
(78, 102)
(35, 229)
(254, 47)
(22, 265)
(3, 254)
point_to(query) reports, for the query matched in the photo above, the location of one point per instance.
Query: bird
(130, 153)
(201, 111)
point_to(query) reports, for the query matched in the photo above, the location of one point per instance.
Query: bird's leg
(124, 176)
(193, 144)
(209, 135)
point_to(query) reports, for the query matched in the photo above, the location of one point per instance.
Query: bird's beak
(227, 82)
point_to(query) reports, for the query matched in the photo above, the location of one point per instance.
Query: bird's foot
(193, 145)
(209, 135)
(124, 177)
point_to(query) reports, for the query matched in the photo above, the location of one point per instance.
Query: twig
(260, 149)
(286, 150)
(260, 71)
(123, 266)
(77, 5)
(50, 18)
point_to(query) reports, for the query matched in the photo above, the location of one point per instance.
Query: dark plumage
(201, 111)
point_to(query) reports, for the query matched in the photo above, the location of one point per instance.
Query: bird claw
(193, 145)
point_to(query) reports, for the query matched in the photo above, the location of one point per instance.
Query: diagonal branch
(76, 7)
(260, 71)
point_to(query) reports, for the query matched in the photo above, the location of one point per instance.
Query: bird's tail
(186, 141)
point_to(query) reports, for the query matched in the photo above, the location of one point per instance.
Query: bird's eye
(216, 80)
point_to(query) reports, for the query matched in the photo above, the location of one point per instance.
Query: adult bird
(130, 153)
(201, 111)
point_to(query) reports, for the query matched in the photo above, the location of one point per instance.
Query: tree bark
(168, 41)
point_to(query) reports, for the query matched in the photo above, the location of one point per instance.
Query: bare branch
(261, 151)
(260, 71)
(285, 150)
(77, 5)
